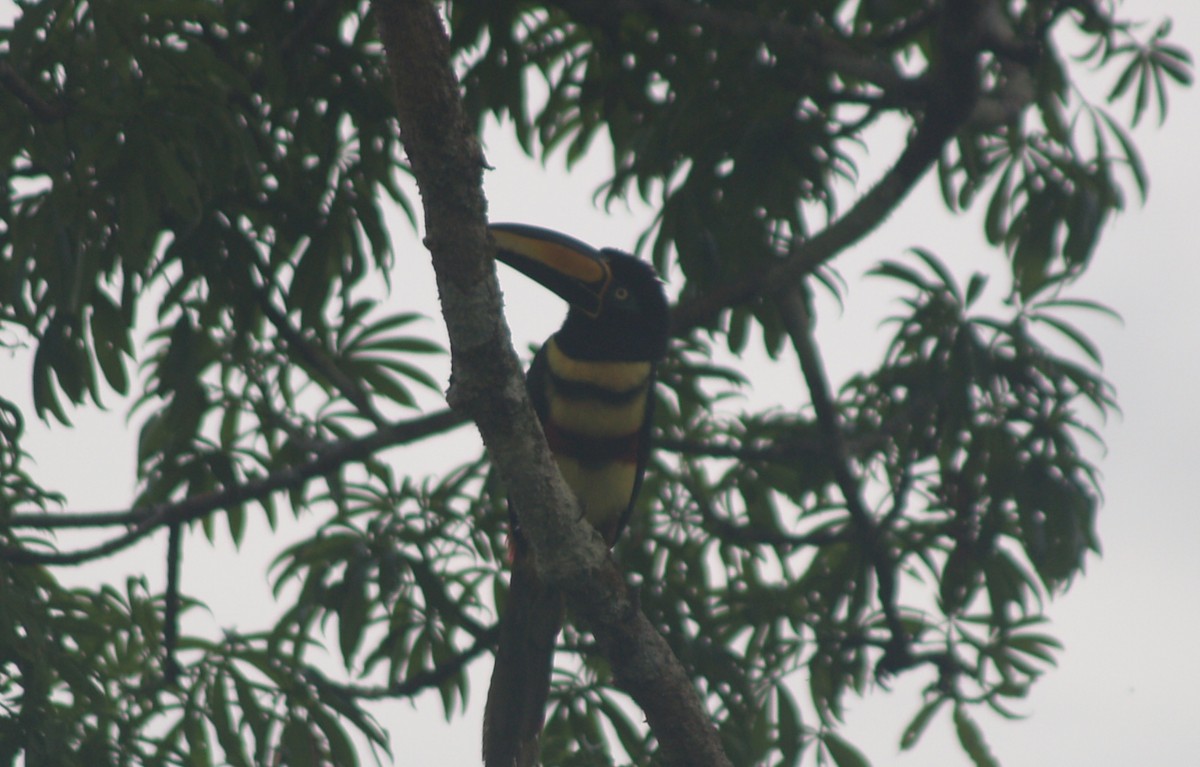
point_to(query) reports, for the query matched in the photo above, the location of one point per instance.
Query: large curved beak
(573, 270)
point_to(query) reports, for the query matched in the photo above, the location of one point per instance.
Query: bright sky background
(1127, 690)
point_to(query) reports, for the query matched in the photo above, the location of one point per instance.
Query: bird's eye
(621, 294)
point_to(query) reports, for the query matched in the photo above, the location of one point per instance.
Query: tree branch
(748, 535)
(414, 683)
(793, 307)
(143, 522)
(786, 450)
(44, 110)
(488, 385)
(55, 520)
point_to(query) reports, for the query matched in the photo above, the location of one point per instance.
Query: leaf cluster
(756, 570)
(194, 150)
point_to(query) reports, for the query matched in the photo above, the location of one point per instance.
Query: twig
(413, 683)
(44, 110)
(746, 535)
(52, 520)
(171, 601)
(787, 450)
(316, 358)
(143, 522)
(793, 308)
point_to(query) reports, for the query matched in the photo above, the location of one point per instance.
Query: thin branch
(62, 520)
(44, 110)
(787, 450)
(781, 451)
(793, 307)
(748, 535)
(171, 601)
(413, 684)
(143, 522)
(319, 362)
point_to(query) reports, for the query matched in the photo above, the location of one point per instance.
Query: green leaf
(1142, 97)
(1133, 158)
(791, 732)
(629, 736)
(914, 730)
(110, 340)
(897, 271)
(960, 579)
(842, 753)
(299, 746)
(348, 708)
(196, 736)
(45, 396)
(1040, 646)
(975, 288)
(341, 750)
(376, 329)
(253, 715)
(235, 518)
(971, 739)
(219, 713)
(353, 608)
(1124, 80)
(1079, 303)
(995, 221)
(1074, 334)
(739, 330)
(385, 384)
(939, 268)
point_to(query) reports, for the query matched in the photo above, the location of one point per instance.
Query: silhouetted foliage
(219, 172)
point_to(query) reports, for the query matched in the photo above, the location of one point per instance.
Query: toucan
(592, 386)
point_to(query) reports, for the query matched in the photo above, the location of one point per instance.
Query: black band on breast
(591, 450)
(581, 390)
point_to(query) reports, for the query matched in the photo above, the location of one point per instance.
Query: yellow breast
(604, 491)
(627, 382)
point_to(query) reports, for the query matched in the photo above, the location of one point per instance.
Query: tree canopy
(193, 216)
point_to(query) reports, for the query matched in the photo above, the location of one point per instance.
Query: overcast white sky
(1127, 690)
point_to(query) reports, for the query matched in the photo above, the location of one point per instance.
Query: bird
(592, 387)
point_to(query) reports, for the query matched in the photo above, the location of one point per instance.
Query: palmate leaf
(842, 752)
(1148, 64)
(371, 352)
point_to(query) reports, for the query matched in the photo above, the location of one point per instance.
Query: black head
(633, 320)
(618, 310)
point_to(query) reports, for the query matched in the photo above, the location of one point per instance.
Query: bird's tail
(516, 703)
